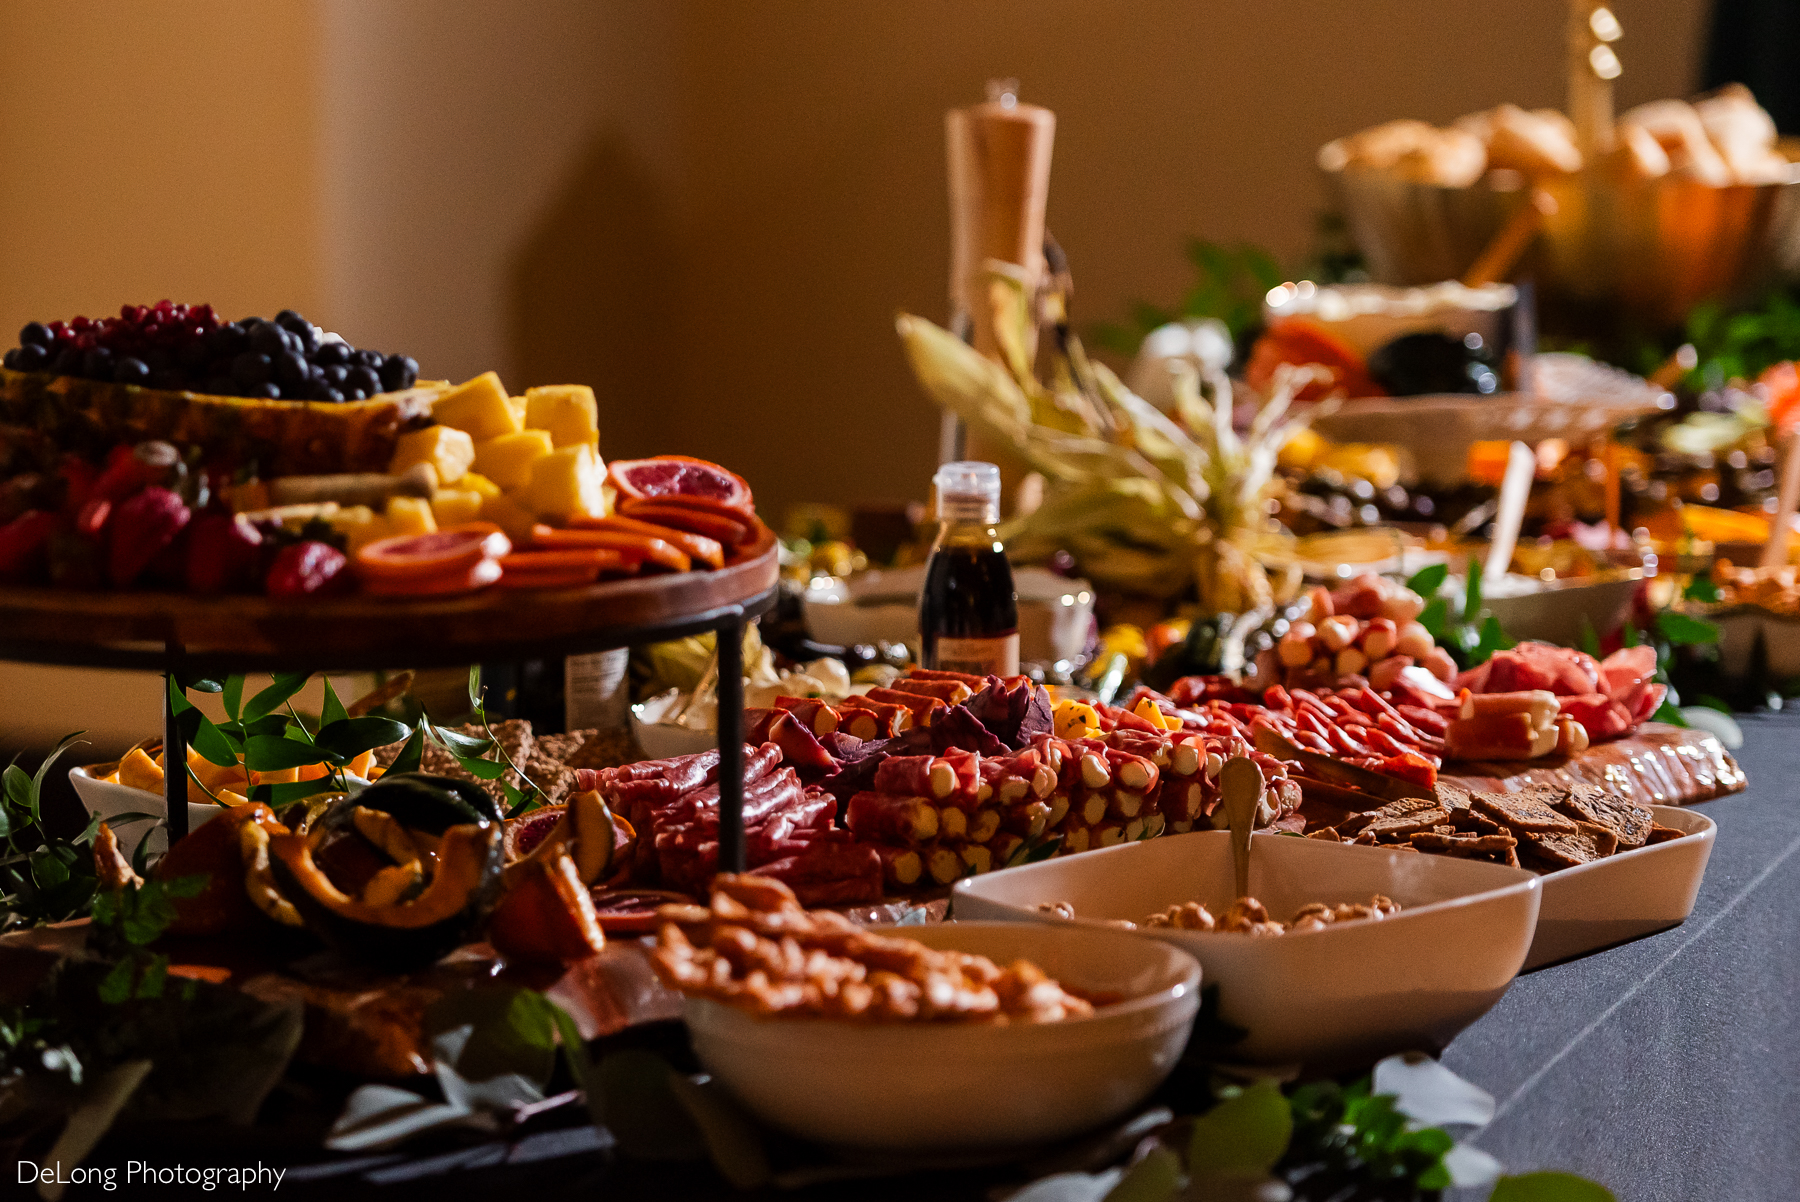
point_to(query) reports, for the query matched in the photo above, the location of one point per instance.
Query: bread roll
(1414, 150)
(1743, 134)
(1677, 129)
(1536, 144)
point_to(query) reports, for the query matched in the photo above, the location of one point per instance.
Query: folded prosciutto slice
(1609, 698)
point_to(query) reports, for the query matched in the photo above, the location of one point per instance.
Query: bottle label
(978, 657)
(593, 690)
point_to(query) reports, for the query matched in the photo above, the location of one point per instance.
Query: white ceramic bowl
(106, 799)
(665, 740)
(1624, 896)
(954, 1086)
(1346, 993)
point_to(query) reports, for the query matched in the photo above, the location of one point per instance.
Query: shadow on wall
(591, 298)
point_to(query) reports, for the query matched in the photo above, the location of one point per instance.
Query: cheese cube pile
(510, 460)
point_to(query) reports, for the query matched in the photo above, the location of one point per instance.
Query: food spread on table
(1271, 628)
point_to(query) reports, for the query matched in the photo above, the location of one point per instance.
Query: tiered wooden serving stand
(189, 636)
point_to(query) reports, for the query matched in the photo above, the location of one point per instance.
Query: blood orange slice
(726, 526)
(413, 556)
(461, 578)
(679, 476)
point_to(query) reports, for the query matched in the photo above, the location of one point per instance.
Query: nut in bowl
(1042, 1065)
(1351, 990)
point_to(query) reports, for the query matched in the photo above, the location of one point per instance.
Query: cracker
(1523, 812)
(1630, 824)
(1391, 811)
(1663, 834)
(1605, 841)
(1454, 798)
(1327, 834)
(1547, 852)
(1469, 846)
(513, 736)
(1406, 824)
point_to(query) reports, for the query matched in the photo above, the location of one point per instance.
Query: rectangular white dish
(1623, 896)
(1361, 990)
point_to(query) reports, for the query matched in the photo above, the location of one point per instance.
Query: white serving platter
(1347, 993)
(1623, 896)
(961, 1086)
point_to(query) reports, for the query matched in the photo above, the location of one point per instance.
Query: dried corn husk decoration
(1146, 502)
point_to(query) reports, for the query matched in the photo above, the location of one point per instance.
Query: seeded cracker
(1392, 811)
(1472, 847)
(514, 737)
(1522, 813)
(1550, 852)
(1630, 824)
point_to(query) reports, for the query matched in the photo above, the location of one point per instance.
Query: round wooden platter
(245, 633)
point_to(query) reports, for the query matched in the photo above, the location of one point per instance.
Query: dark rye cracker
(1391, 812)
(1527, 812)
(1630, 824)
(1471, 847)
(1664, 834)
(1542, 852)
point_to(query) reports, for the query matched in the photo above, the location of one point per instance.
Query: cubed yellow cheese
(410, 515)
(445, 448)
(454, 506)
(479, 406)
(565, 482)
(507, 460)
(360, 526)
(518, 406)
(567, 411)
(476, 482)
(510, 516)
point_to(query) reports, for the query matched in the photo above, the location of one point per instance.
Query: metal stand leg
(174, 766)
(731, 745)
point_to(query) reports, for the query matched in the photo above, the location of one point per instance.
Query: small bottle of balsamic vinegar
(968, 612)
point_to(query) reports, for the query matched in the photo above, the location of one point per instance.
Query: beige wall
(158, 150)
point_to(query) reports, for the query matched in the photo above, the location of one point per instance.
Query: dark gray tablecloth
(1669, 1068)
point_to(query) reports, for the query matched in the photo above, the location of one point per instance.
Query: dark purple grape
(269, 339)
(366, 358)
(131, 371)
(192, 355)
(291, 370)
(251, 369)
(287, 319)
(397, 372)
(36, 333)
(226, 342)
(270, 391)
(68, 361)
(33, 356)
(331, 354)
(365, 379)
(355, 394)
(332, 394)
(336, 376)
(10, 360)
(97, 364)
